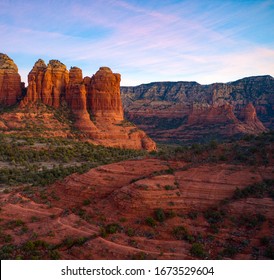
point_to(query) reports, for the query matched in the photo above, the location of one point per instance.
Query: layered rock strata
(104, 95)
(186, 111)
(47, 83)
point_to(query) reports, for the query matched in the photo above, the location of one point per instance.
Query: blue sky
(145, 41)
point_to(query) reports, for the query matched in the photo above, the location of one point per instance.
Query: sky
(145, 41)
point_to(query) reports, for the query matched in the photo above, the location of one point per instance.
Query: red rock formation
(54, 84)
(249, 113)
(252, 124)
(37, 74)
(47, 83)
(104, 96)
(75, 77)
(35, 83)
(10, 81)
(79, 108)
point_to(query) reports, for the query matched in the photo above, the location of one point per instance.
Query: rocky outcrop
(76, 97)
(75, 77)
(55, 82)
(94, 101)
(47, 83)
(104, 95)
(10, 81)
(250, 120)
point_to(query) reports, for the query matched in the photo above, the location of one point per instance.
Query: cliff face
(54, 83)
(47, 83)
(178, 111)
(10, 81)
(104, 95)
(76, 97)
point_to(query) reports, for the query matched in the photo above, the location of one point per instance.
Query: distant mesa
(94, 101)
(185, 111)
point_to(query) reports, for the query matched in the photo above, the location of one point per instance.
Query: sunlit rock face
(10, 81)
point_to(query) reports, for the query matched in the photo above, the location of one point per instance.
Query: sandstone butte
(10, 81)
(94, 101)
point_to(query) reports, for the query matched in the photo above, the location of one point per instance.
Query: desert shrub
(130, 232)
(251, 221)
(150, 221)
(54, 255)
(181, 233)
(197, 250)
(269, 252)
(34, 219)
(6, 252)
(86, 202)
(69, 241)
(230, 250)
(5, 238)
(82, 213)
(214, 216)
(160, 215)
(112, 228)
(169, 188)
(259, 190)
(15, 223)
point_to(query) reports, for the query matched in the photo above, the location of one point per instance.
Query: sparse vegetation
(46, 160)
(214, 215)
(110, 229)
(259, 190)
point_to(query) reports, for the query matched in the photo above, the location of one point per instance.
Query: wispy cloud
(166, 40)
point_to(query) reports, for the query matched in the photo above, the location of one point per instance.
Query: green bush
(150, 221)
(160, 215)
(86, 202)
(181, 233)
(214, 216)
(112, 228)
(197, 250)
(259, 190)
(251, 221)
(130, 232)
